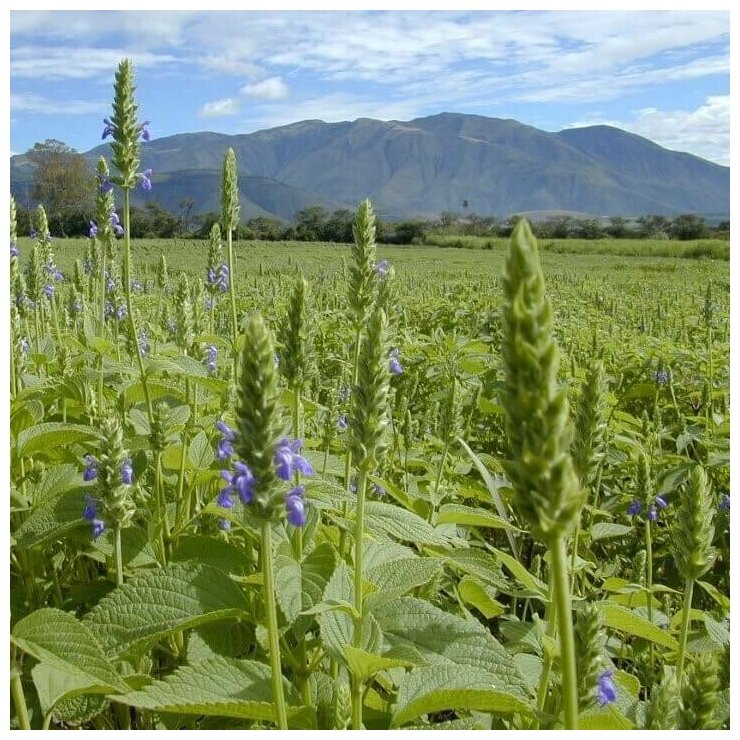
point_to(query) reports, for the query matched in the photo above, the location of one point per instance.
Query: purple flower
(661, 377)
(91, 508)
(342, 423)
(295, 506)
(224, 499)
(381, 269)
(49, 291)
(211, 276)
(58, 275)
(241, 481)
(287, 458)
(344, 394)
(33, 234)
(118, 230)
(224, 449)
(114, 219)
(606, 691)
(26, 348)
(127, 472)
(145, 180)
(378, 490)
(105, 186)
(91, 469)
(109, 129)
(145, 131)
(136, 286)
(144, 342)
(211, 356)
(660, 502)
(98, 527)
(634, 508)
(225, 429)
(14, 250)
(93, 230)
(121, 312)
(394, 364)
(224, 524)
(724, 504)
(652, 515)
(77, 306)
(108, 309)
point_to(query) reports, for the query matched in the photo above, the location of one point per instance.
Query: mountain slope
(422, 167)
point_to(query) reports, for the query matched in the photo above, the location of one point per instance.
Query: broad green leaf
(300, 585)
(472, 517)
(77, 710)
(156, 603)
(136, 550)
(226, 556)
(430, 689)
(200, 453)
(722, 600)
(623, 620)
(363, 664)
(604, 530)
(717, 632)
(478, 563)
(480, 596)
(44, 439)
(520, 572)
(220, 687)
(604, 718)
(71, 660)
(56, 481)
(399, 576)
(393, 521)
(52, 519)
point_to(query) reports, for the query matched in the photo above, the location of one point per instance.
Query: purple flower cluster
(211, 357)
(14, 250)
(90, 513)
(381, 269)
(240, 481)
(91, 469)
(49, 290)
(653, 512)
(144, 346)
(218, 278)
(724, 504)
(26, 348)
(661, 377)
(342, 423)
(606, 691)
(110, 129)
(127, 472)
(145, 179)
(394, 364)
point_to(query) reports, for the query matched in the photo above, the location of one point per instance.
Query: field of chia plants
(323, 487)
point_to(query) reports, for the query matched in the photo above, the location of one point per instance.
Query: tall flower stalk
(126, 131)
(230, 220)
(547, 490)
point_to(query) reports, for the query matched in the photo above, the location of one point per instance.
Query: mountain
(422, 167)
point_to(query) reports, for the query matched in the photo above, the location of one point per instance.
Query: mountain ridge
(419, 168)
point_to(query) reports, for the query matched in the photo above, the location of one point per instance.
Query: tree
(62, 181)
(688, 226)
(309, 223)
(617, 227)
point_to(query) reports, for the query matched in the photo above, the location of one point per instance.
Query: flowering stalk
(126, 130)
(230, 219)
(538, 426)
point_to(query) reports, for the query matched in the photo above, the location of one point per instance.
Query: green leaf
(430, 689)
(480, 596)
(225, 556)
(52, 519)
(717, 632)
(219, 687)
(472, 517)
(200, 453)
(300, 585)
(520, 572)
(623, 620)
(399, 576)
(136, 550)
(478, 563)
(604, 530)
(55, 481)
(604, 718)
(363, 664)
(71, 660)
(722, 600)
(44, 439)
(157, 603)
(388, 519)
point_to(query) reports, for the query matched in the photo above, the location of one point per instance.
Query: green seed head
(699, 694)
(116, 498)
(361, 272)
(258, 414)
(662, 709)
(35, 274)
(536, 409)
(185, 315)
(590, 424)
(162, 272)
(644, 479)
(229, 194)
(368, 410)
(693, 528)
(590, 643)
(126, 129)
(295, 339)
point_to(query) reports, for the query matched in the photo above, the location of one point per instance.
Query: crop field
(320, 486)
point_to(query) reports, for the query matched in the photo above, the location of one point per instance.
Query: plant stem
(127, 293)
(688, 595)
(649, 581)
(561, 593)
(437, 483)
(19, 700)
(119, 558)
(272, 628)
(359, 529)
(232, 294)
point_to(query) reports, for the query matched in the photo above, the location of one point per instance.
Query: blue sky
(661, 74)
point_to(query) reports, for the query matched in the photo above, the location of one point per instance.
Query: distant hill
(419, 168)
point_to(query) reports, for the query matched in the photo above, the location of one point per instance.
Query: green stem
(561, 592)
(119, 558)
(438, 482)
(688, 595)
(129, 308)
(19, 700)
(281, 718)
(232, 294)
(550, 632)
(649, 581)
(357, 688)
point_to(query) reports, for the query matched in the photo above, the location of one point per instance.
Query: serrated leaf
(44, 439)
(430, 689)
(604, 718)
(718, 634)
(604, 530)
(520, 572)
(472, 517)
(156, 603)
(480, 596)
(219, 687)
(225, 556)
(71, 660)
(363, 665)
(200, 453)
(624, 620)
(52, 519)
(478, 563)
(400, 576)
(393, 521)
(136, 550)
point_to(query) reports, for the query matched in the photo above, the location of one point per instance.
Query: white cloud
(273, 88)
(219, 108)
(48, 63)
(704, 131)
(29, 103)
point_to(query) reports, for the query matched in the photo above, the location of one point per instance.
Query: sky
(660, 74)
